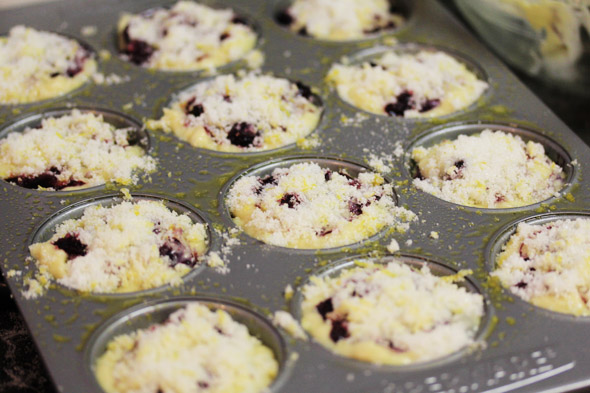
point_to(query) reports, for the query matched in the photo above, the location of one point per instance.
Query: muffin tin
(523, 348)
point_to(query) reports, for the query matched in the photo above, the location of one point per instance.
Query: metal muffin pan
(526, 350)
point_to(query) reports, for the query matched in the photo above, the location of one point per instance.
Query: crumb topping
(252, 113)
(492, 169)
(391, 313)
(73, 151)
(548, 265)
(127, 247)
(340, 20)
(196, 350)
(188, 36)
(307, 206)
(37, 65)
(423, 84)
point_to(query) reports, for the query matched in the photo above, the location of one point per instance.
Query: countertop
(21, 368)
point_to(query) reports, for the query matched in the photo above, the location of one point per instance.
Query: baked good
(426, 83)
(186, 37)
(492, 169)
(73, 151)
(548, 265)
(307, 206)
(340, 20)
(196, 350)
(129, 246)
(251, 113)
(390, 313)
(37, 65)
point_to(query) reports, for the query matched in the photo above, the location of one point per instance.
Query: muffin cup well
(116, 119)
(334, 269)
(75, 211)
(452, 131)
(267, 168)
(155, 312)
(501, 237)
(367, 55)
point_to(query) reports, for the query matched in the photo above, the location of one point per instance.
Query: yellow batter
(37, 65)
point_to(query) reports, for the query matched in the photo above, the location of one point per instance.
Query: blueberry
(325, 307)
(193, 109)
(402, 104)
(304, 90)
(355, 208)
(306, 93)
(46, 179)
(138, 51)
(284, 18)
(79, 61)
(268, 179)
(290, 200)
(178, 253)
(242, 134)
(430, 104)
(339, 330)
(71, 245)
(324, 231)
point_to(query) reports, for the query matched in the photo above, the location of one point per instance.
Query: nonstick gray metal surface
(526, 349)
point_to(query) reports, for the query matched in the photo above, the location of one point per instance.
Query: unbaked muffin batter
(422, 84)
(187, 37)
(549, 265)
(196, 350)
(307, 206)
(340, 20)
(492, 169)
(73, 151)
(252, 113)
(37, 65)
(390, 313)
(127, 247)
